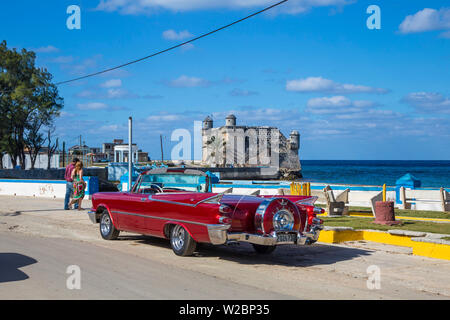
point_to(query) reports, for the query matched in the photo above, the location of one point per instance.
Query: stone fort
(249, 146)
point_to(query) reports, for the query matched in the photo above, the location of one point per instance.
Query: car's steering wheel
(155, 186)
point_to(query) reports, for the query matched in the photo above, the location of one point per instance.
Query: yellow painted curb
(369, 215)
(432, 250)
(426, 249)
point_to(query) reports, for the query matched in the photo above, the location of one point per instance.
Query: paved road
(38, 241)
(36, 268)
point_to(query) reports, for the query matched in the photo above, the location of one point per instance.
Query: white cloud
(335, 101)
(428, 102)
(92, 106)
(319, 84)
(118, 93)
(188, 82)
(426, 20)
(47, 49)
(62, 59)
(135, 7)
(113, 83)
(173, 35)
(80, 68)
(164, 117)
(445, 35)
(336, 105)
(109, 128)
(242, 93)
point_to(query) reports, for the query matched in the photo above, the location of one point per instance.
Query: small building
(79, 150)
(121, 153)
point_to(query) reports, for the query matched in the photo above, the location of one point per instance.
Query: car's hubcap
(177, 239)
(105, 224)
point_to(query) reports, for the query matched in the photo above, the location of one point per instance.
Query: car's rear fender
(169, 224)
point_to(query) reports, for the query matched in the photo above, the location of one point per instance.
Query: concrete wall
(33, 188)
(42, 188)
(250, 173)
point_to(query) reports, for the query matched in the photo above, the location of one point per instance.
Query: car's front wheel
(181, 241)
(263, 249)
(107, 229)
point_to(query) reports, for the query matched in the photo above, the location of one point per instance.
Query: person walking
(78, 185)
(69, 183)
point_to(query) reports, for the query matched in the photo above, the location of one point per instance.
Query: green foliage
(29, 101)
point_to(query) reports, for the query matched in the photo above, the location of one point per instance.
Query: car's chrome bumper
(219, 234)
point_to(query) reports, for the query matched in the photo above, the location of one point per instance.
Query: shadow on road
(10, 264)
(286, 255)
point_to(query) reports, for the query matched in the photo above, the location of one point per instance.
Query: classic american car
(177, 204)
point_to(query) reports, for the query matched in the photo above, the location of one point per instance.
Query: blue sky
(311, 66)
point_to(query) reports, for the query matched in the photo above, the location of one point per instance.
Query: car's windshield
(175, 180)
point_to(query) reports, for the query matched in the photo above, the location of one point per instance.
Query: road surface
(39, 242)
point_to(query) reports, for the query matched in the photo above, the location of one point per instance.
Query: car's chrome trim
(218, 233)
(271, 240)
(160, 218)
(218, 196)
(260, 212)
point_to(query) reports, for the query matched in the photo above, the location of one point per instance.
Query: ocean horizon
(431, 173)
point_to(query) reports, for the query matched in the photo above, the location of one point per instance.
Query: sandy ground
(38, 241)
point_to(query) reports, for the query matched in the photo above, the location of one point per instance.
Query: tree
(34, 140)
(28, 100)
(51, 148)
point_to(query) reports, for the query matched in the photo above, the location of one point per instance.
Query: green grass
(446, 238)
(402, 212)
(365, 223)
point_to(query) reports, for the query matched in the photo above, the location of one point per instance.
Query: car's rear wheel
(181, 241)
(263, 249)
(107, 229)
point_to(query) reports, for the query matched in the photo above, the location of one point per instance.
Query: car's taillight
(225, 220)
(318, 210)
(312, 213)
(225, 214)
(225, 209)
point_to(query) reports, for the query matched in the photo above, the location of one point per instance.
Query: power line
(174, 47)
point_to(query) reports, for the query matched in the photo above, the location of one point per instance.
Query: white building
(121, 153)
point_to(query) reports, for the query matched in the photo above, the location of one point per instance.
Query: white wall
(41, 161)
(33, 188)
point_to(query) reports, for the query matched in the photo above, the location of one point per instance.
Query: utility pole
(162, 151)
(130, 154)
(64, 154)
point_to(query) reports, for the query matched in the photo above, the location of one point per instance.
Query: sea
(431, 173)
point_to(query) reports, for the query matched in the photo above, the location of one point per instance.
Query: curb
(422, 246)
(364, 215)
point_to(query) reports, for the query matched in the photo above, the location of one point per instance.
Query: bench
(425, 199)
(336, 204)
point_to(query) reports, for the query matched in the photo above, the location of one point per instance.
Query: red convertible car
(177, 204)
